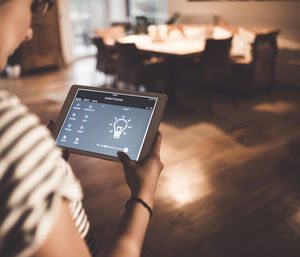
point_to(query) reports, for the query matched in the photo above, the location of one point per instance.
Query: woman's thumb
(124, 158)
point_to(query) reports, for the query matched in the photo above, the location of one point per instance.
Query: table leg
(171, 85)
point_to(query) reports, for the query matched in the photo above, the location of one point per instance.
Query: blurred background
(231, 137)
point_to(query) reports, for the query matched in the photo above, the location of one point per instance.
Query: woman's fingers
(125, 160)
(51, 125)
(155, 149)
(157, 143)
(66, 154)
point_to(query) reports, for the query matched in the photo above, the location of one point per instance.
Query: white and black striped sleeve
(33, 179)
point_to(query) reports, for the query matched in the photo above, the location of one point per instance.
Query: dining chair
(142, 22)
(258, 74)
(216, 63)
(134, 70)
(173, 18)
(106, 60)
(114, 32)
(217, 72)
(210, 72)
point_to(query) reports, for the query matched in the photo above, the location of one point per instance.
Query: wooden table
(188, 40)
(174, 42)
(173, 45)
(171, 48)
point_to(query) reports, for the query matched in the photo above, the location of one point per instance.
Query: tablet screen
(106, 123)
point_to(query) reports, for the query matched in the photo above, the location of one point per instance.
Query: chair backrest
(129, 62)
(102, 54)
(218, 48)
(173, 18)
(142, 24)
(264, 53)
(265, 46)
(217, 65)
(114, 32)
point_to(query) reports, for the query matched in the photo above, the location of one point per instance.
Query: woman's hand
(65, 153)
(142, 178)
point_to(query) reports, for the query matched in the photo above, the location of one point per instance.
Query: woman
(40, 199)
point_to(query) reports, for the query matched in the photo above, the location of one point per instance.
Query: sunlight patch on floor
(278, 107)
(185, 186)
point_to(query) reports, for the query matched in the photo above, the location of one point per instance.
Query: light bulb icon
(119, 126)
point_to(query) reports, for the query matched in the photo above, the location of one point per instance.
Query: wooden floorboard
(231, 182)
(292, 250)
(274, 240)
(246, 229)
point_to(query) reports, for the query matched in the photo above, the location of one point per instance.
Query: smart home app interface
(107, 123)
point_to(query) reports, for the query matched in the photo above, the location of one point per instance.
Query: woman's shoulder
(33, 177)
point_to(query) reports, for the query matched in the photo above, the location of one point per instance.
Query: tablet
(100, 122)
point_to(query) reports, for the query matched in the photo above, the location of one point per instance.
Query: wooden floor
(231, 183)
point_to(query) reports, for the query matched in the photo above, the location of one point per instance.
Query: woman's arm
(64, 239)
(142, 180)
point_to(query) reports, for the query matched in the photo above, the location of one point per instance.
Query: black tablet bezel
(153, 126)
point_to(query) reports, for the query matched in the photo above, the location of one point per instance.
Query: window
(156, 10)
(86, 16)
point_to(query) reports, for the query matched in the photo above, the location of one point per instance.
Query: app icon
(119, 127)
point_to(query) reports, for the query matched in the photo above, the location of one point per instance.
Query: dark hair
(3, 1)
(36, 3)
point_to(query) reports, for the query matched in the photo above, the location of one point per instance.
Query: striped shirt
(33, 180)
